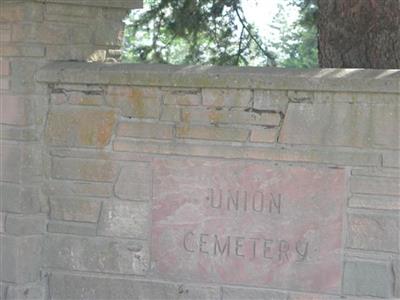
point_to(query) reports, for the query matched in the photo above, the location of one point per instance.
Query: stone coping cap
(351, 80)
(126, 4)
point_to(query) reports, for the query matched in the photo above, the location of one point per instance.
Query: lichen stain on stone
(136, 103)
(214, 117)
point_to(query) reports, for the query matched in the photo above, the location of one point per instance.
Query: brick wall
(83, 146)
(108, 124)
(33, 33)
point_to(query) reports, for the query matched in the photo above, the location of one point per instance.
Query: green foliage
(211, 32)
(298, 43)
(215, 32)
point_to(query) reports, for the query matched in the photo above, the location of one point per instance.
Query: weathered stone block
(391, 159)
(233, 293)
(373, 232)
(80, 128)
(134, 182)
(343, 124)
(74, 209)
(31, 291)
(212, 133)
(263, 135)
(145, 130)
(66, 286)
(270, 100)
(232, 116)
(135, 102)
(77, 188)
(5, 35)
(22, 51)
(26, 224)
(16, 199)
(21, 256)
(78, 98)
(227, 98)
(363, 278)
(182, 97)
(3, 290)
(375, 185)
(2, 222)
(106, 255)
(14, 12)
(88, 169)
(14, 110)
(375, 202)
(5, 83)
(124, 219)
(85, 229)
(170, 113)
(10, 161)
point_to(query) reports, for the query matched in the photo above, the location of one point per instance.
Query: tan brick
(212, 133)
(85, 99)
(263, 135)
(80, 128)
(145, 130)
(270, 100)
(14, 110)
(226, 98)
(135, 102)
(4, 67)
(84, 169)
(375, 202)
(373, 232)
(74, 209)
(343, 124)
(375, 185)
(182, 97)
(214, 116)
(170, 113)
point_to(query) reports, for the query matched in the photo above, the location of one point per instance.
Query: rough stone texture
(264, 135)
(145, 130)
(270, 100)
(27, 292)
(170, 113)
(182, 97)
(74, 209)
(14, 110)
(212, 133)
(25, 224)
(85, 229)
(226, 98)
(375, 202)
(364, 278)
(124, 219)
(231, 293)
(88, 169)
(2, 222)
(135, 102)
(81, 128)
(231, 116)
(97, 254)
(391, 159)
(10, 161)
(375, 185)
(65, 286)
(342, 124)
(19, 200)
(134, 182)
(373, 232)
(78, 188)
(227, 222)
(20, 258)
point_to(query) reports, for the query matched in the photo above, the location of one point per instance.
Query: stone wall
(104, 165)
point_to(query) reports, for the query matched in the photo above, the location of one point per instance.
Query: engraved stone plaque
(248, 223)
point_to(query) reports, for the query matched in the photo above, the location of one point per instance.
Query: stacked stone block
(33, 33)
(99, 178)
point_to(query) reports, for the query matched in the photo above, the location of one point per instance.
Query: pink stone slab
(248, 223)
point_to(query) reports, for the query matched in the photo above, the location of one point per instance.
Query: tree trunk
(359, 34)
